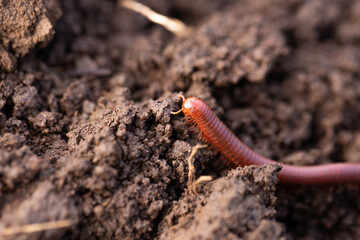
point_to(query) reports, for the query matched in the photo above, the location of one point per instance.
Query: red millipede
(213, 131)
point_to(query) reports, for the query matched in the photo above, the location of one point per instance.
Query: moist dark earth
(86, 134)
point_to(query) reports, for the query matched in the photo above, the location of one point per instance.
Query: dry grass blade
(173, 25)
(36, 227)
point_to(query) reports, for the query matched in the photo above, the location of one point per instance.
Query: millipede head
(188, 106)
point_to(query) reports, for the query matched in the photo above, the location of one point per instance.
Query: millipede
(214, 132)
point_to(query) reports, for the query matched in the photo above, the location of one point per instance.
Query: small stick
(36, 227)
(171, 24)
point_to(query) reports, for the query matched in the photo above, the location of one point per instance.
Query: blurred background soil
(86, 135)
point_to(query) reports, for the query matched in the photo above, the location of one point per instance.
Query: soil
(86, 134)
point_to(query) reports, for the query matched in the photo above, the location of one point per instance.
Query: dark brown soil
(86, 132)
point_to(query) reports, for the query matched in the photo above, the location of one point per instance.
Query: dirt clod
(25, 24)
(244, 198)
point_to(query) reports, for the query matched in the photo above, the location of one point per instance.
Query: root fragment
(192, 183)
(203, 179)
(36, 227)
(171, 24)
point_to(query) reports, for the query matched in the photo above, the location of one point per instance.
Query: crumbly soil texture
(86, 134)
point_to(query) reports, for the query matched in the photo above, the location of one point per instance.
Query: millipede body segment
(213, 131)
